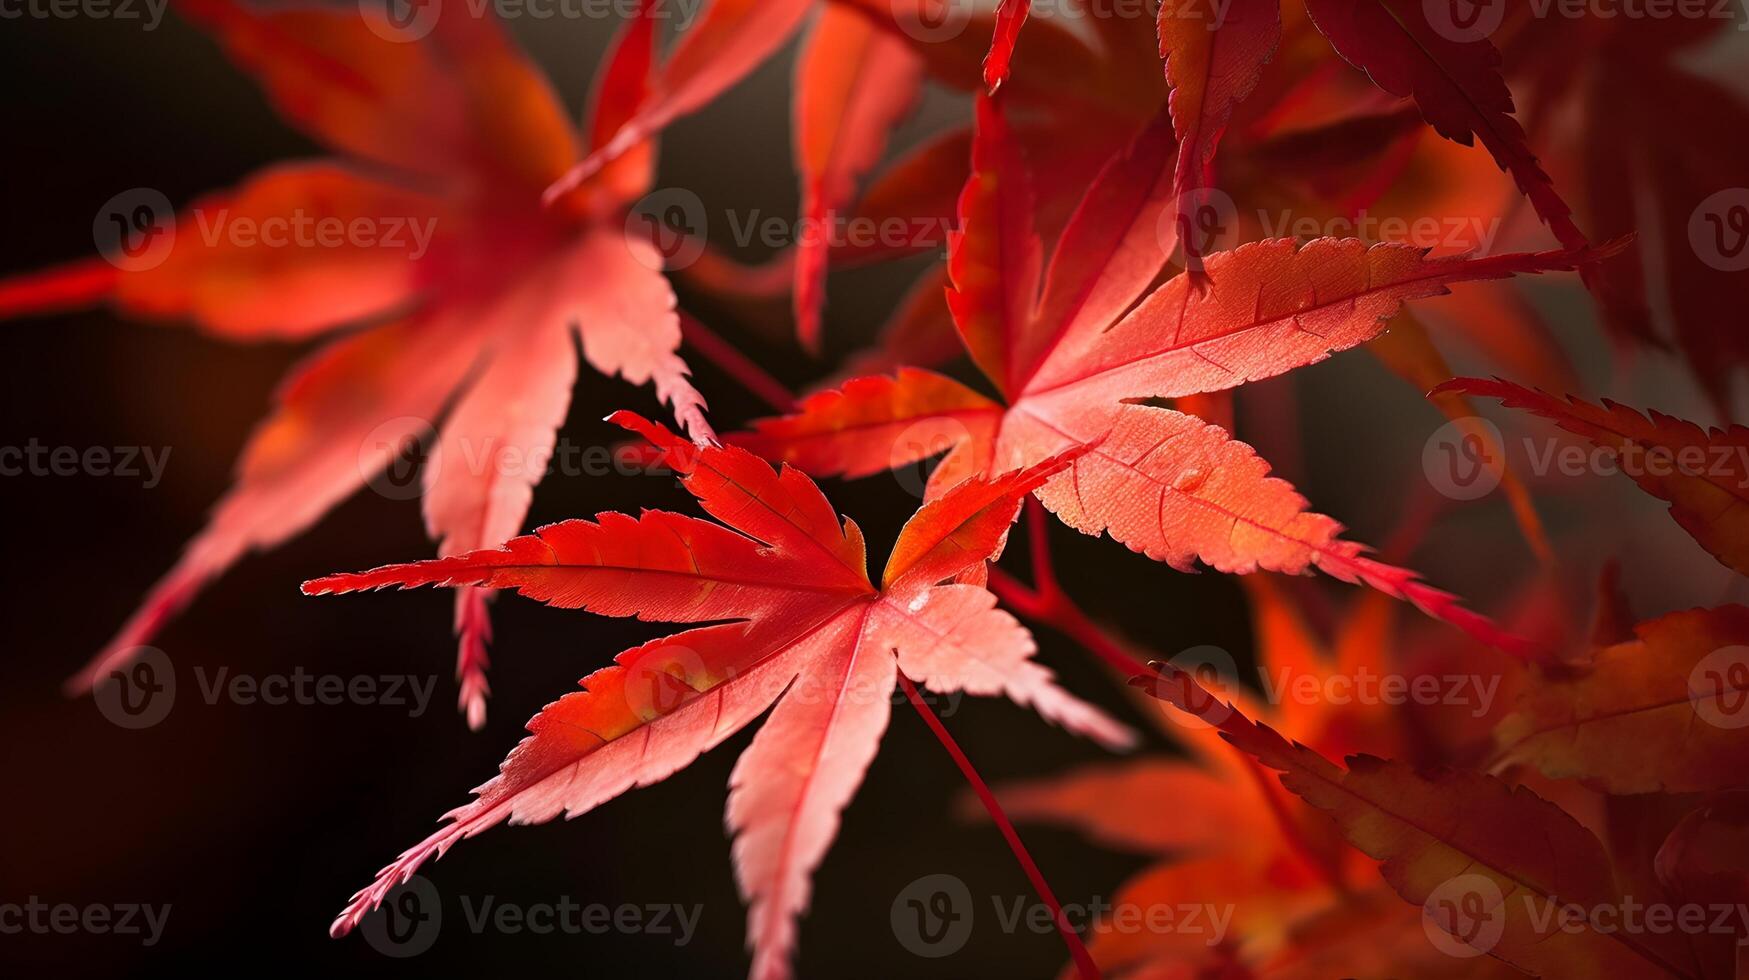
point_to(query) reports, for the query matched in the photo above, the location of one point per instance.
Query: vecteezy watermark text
(141, 693)
(934, 916)
(411, 918)
(35, 459)
(41, 918)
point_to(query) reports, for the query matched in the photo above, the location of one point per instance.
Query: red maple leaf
(1075, 358)
(457, 129)
(805, 630)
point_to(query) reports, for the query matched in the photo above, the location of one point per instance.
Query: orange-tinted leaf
(875, 424)
(1666, 712)
(808, 633)
(1491, 864)
(1703, 474)
(854, 83)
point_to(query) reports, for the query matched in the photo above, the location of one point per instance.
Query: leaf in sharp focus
(1179, 490)
(1456, 83)
(1663, 713)
(1274, 306)
(1492, 865)
(810, 635)
(1703, 474)
(854, 83)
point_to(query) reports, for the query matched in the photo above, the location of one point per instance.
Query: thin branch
(1084, 964)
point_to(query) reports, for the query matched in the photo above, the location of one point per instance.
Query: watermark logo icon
(667, 229)
(932, 916)
(1464, 21)
(400, 21)
(395, 460)
(140, 693)
(656, 686)
(1719, 230)
(932, 21)
(1465, 917)
(1204, 222)
(921, 442)
(1205, 682)
(407, 922)
(135, 230)
(1718, 687)
(1465, 459)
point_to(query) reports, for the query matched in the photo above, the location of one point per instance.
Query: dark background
(256, 822)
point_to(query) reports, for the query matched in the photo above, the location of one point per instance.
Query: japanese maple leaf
(459, 129)
(1075, 359)
(1446, 838)
(797, 624)
(1223, 841)
(1703, 474)
(1659, 713)
(1220, 50)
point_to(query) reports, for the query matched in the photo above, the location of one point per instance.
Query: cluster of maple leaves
(1111, 329)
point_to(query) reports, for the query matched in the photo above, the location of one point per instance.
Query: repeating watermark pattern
(1718, 687)
(1466, 917)
(670, 229)
(1212, 13)
(408, 920)
(1469, 21)
(412, 917)
(1208, 678)
(142, 693)
(1207, 221)
(36, 917)
(34, 459)
(934, 917)
(148, 14)
(1466, 460)
(407, 21)
(1467, 233)
(921, 442)
(137, 229)
(1719, 229)
(1369, 688)
(675, 222)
